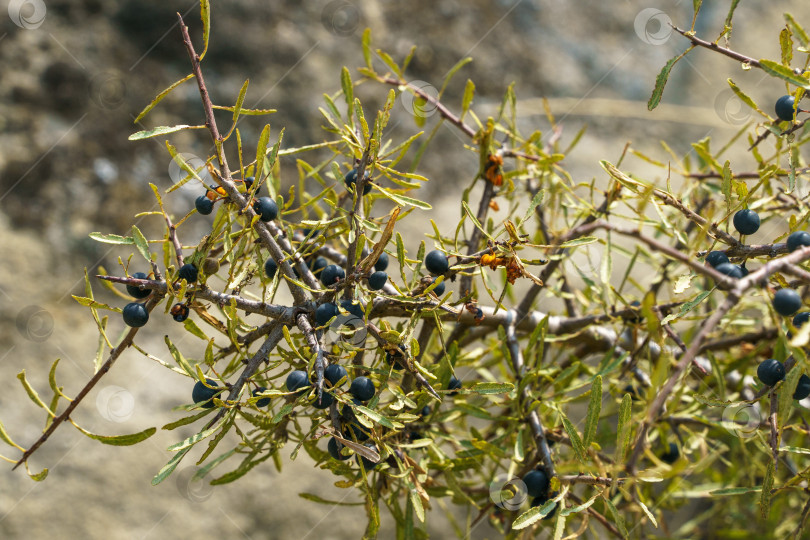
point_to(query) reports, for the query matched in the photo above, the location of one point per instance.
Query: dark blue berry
(438, 290)
(436, 262)
(454, 385)
(537, 483)
(348, 413)
(351, 179)
(266, 208)
(801, 318)
(771, 371)
(798, 239)
(803, 388)
(332, 274)
(395, 359)
(270, 268)
(332, 446)
(203, 396)
(204, 205)
(787, 302)
(135, 315)
(249, 181)
(382, 262)
(353, 308)
(263, 402)
(731, 270)
(334, 373)
(188, 272)
(425, 410)
(326, 400)
(317, 265)
(746, 221)
(362, 388)
(324, 312)
(134, 290)
(716, 258)
(377, 280)
(297, 380)
(672, 454)
(785, 108)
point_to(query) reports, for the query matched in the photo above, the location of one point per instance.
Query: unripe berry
(263, 402)
(798, 239)
(802, 388)
(135, 315)
(266, 208)
(135, 291)
(332, 274)
(436, 262)
(334, 373)
(210, 266)
(332, 447)
(787, 302)
(362, 388)
(188, 272)
(204, 205)
(179, 312)
(203, 396)
(270, 268)
(377, 280)
(537, 483)
(785, 108)
(746, 221)
(716, 258)
(297, 380)
(771, 371)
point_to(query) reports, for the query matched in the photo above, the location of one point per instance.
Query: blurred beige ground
(69, 91)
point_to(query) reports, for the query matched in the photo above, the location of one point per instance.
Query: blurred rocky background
(75, 73)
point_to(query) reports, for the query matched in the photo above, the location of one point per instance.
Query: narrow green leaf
(537, 200)
(661, 81)
(33, 393)
(6, 439)
(402, 200)
(237, 109)
(348, 88)
(89, 302)
(785, 400)
(161, 130)
(284, 411)
(492, 388)
(195, 330)
(194, 439)
(726, 492)
(581, 241)
(594, 410)
(797, 29)
(785, 73)
(119, 440)
(466, 101)
(187, 420)
(111, 238)
(261, 150)
(576, 442)
(179, 358)
(727, 183)
(730, 15)
(374, 415)
(141, 243)
(160, 97)
(205, 15)
(169, 467)
(623, 429)
(366, 40)
(765, 496)
(453, 70)
(533, 515)
(786, 44)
